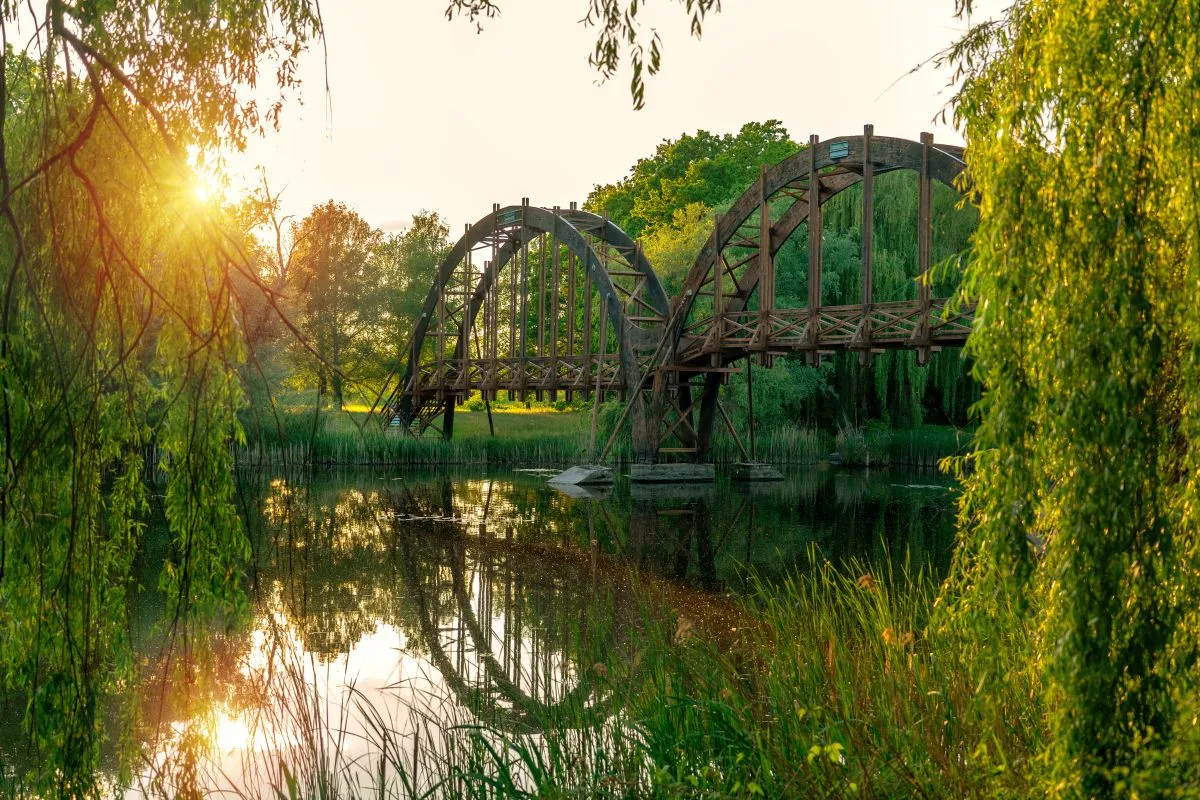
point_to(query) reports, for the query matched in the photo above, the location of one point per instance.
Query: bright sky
(423, 113)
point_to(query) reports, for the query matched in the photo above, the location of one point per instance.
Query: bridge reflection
(387, 612)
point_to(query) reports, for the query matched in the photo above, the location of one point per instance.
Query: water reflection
(389, 609)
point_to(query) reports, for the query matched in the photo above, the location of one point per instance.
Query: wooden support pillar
(868, 245)
(750, 404)
(448, 419)
(709, 407)
(523, 318)
(487, 359)
(554, 265)
(468, 285)
(924, 248)
(493, 272)
(541, 306)
(814, 252)
(513, 281)
(766, 266)
(571, 315)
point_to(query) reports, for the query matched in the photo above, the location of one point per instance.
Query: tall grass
(841, 689)
(353, 440)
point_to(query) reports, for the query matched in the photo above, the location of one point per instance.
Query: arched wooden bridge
(537, 302)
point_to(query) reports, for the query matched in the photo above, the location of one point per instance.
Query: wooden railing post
(814, 250)
(924, 248)
(553, 328)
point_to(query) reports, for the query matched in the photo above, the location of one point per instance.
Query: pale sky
(423, 113)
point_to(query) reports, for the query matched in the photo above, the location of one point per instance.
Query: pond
(386, 609)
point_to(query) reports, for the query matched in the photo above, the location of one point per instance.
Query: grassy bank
(548, 437)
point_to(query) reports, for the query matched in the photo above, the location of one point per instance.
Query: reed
(926, 445)
(352, 440)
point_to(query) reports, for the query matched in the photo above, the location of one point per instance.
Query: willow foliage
(118, 340)
(1083, 124)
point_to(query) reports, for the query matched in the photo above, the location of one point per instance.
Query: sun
(202, 192)
(207, 184)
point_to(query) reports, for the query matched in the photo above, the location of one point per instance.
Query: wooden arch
(631, 296)
(711, 323)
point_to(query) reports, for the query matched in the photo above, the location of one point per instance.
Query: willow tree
(1082, 512)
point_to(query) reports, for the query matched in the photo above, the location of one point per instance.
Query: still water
(387, 608)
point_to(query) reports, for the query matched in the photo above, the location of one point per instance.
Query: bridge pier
(448, 420)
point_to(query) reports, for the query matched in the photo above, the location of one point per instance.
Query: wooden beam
(733, 432)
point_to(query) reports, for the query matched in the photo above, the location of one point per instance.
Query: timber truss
(535, 302)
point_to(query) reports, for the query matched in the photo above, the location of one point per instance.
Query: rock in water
(584, 475)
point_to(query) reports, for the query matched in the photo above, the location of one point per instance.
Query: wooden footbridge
(542, 303)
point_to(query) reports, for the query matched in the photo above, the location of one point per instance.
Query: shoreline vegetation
(542, 437)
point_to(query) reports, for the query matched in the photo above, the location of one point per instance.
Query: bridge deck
(576, 373)
(903, 324)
